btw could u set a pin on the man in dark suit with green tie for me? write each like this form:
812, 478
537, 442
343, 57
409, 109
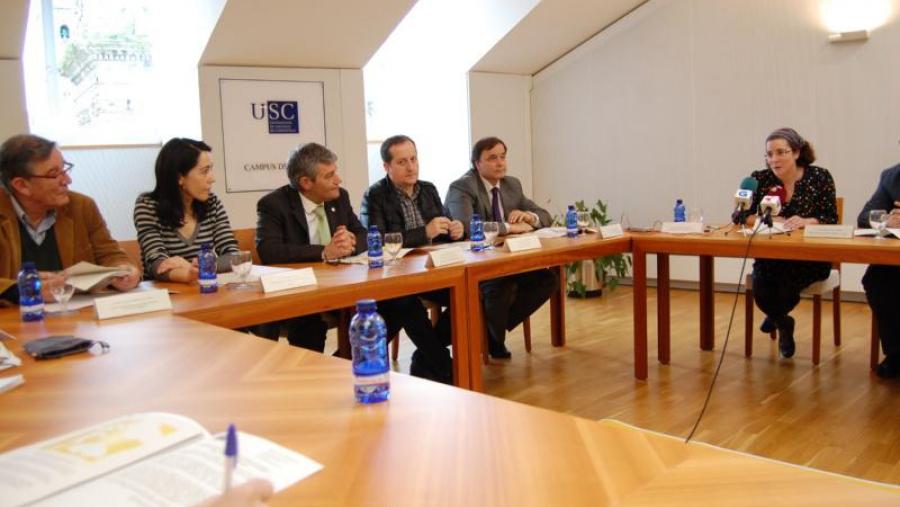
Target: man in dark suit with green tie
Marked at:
486, 189
311, 219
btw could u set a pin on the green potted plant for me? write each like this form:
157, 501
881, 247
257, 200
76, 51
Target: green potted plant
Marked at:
588, 277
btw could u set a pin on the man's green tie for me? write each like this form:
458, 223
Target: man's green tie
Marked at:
322, 224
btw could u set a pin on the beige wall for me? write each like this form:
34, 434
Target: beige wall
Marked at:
500, 105
676, 100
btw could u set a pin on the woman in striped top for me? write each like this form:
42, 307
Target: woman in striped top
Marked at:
181, 214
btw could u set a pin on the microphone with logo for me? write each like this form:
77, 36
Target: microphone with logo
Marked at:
770, 206
743, 198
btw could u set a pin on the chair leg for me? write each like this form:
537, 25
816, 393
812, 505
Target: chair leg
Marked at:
836, 302
748, 322
874, 354
395, 347
817, 328
526, 331
343, 332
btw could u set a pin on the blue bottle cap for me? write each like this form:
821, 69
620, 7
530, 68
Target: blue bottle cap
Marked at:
28, 265
572, 207
373, 228
476, 216
365, 305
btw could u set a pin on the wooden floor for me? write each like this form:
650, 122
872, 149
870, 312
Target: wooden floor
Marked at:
836, 417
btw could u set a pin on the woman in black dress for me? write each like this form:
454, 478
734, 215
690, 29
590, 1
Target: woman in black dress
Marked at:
808, 197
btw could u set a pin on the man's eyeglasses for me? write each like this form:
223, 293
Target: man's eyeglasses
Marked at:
52, 175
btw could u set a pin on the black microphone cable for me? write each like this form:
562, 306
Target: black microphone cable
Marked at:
737, 294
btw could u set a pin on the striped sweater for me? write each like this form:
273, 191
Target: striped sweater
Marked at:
159, 243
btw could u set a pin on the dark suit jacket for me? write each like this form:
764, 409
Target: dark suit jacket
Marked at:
81, 235
467, 195
887, 192
381, 207
282, 234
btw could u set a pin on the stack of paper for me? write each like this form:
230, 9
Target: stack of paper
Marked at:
84, 276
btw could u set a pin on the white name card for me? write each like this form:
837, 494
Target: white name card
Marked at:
444, 257
828, 231
275, 282
521, 243
611, 231
132, 303
683, 227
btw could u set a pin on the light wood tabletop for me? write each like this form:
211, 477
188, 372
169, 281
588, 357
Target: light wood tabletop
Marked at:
429, 445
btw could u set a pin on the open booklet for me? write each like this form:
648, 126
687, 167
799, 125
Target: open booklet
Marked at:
149, 459
84, 276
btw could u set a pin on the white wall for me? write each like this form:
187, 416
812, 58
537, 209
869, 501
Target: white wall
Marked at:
500, 105
12, 99
676, 99
344, 124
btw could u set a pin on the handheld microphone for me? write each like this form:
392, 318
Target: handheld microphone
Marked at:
743, 198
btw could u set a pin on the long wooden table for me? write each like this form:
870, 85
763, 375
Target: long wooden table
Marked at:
555, 253
719, 244
339, 286
429, 445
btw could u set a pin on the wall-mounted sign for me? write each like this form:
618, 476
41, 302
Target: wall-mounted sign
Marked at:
262, 121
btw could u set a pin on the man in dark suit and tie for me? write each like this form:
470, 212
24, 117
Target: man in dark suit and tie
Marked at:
311, 219
487, 190
882, 282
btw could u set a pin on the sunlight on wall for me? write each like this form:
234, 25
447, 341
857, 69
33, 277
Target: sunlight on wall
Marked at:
416, 82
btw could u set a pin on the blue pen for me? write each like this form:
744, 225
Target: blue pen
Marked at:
231, 456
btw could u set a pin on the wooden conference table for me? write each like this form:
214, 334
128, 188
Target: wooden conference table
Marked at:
734, 244
429, 445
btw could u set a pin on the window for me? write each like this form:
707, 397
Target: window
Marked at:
107, 72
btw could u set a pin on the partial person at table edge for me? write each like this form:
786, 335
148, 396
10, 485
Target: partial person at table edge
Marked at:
808, 195
45, 222
487, 189
182, 213
882, 282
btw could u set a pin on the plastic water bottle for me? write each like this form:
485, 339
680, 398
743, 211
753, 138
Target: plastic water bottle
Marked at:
572, 222
207, 265
476, 233
679, 211
31, 303
373, 240
368, 341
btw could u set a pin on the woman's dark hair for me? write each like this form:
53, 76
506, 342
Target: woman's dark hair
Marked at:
797, 143
176, 158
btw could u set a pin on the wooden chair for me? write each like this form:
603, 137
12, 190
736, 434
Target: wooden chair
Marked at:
815, 290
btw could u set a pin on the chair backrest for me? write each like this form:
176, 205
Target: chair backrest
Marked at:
133, 249
840, 209
246, 239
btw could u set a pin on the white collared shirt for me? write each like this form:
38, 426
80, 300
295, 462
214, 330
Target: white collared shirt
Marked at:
37, 233
487, 186
312, 222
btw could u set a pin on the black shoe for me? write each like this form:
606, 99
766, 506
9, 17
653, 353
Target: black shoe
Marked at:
498, 351
418, 368
786, 337
768, 325
889, 368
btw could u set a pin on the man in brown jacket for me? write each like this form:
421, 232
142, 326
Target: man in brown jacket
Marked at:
42, 221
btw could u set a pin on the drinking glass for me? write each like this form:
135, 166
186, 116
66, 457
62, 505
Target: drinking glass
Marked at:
695, 215
877, 219
584, 220
241, 265
491, 231
62, 292
393, 242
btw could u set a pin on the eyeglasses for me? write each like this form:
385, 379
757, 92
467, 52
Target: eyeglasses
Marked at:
781, 152
67, 168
